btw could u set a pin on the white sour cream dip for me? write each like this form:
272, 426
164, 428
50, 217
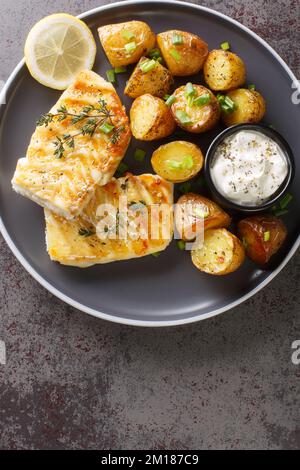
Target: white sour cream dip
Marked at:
248, 167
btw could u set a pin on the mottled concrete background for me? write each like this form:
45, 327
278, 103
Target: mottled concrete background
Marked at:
72, 381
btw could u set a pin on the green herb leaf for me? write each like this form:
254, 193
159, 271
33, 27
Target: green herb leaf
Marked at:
130, 47
252, 87
181, 245
106, 128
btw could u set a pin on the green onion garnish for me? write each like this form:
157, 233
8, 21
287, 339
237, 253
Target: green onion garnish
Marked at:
154, 54
285, 201
175, 54
177, 39
130, 47
122, 168
166, 97
225, 46
189, 90
202, 100
279, 212
111, 76
148, 65
226, 103
170, 100
181, 245
106, 128
185, 164
252, 87
267, 236
139, 155
120, 70
128, 35
183, 117
185, 187
160, 60
156, 255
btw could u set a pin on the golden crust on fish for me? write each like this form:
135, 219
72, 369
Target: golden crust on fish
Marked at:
65, 185
128, 218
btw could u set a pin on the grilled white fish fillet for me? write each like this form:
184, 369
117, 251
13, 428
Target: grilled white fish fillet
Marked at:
96, 239
65, 185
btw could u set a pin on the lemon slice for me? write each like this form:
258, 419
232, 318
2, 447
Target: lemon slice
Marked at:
57, 48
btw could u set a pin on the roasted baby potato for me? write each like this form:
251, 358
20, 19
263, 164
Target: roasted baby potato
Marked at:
158, 81
250, 107
221, 253
224, 70
177, 161
192, 209
196, 112
151, 118
184, 53
263, 236
126, 43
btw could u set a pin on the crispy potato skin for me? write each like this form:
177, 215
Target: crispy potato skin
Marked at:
252, 230
204, 118
176, 150
251, 107
224, 70
113, 42
213, 216
193, 52
157, 82
222, 253
151, 118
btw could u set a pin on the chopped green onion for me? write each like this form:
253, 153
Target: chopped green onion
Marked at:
174, 164
200, 213
130, 47
181, 245
220, 97
170, 100
279, 212
154, 54
177, 39
106, 128
148, 65
175, 54
267, 236
111, 76
156, 255
185, 164
159, 60
285, 201
226, 103
139, 155
183, 117
166, 97
202, 100
185, 187
252, 87
189, 90
122, 168
225, 46
188, 162
128, 35
120, 69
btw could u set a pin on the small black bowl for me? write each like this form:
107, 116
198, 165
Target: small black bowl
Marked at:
272, 134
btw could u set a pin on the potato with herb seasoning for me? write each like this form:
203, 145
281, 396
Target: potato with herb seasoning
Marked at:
126, 43
222, 253
224, 70
195, 108
177, 161
250, 107
149, 76
151, 118
193, 208
262, 236
183, 52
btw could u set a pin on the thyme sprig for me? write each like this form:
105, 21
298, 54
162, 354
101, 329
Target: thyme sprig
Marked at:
100, 116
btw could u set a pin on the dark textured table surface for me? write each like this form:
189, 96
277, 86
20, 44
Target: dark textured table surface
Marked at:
72, 381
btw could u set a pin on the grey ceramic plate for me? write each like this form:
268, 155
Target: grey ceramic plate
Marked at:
149, 291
